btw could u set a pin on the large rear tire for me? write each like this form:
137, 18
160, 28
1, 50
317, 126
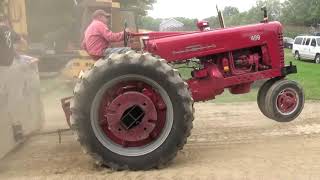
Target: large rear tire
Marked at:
132, 112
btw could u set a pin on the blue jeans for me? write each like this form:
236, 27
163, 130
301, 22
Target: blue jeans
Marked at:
119, 50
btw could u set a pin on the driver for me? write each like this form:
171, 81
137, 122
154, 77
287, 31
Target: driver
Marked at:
97, 37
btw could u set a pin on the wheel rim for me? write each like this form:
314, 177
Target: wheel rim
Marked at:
287, 101
318, 60
297, 56
132, 115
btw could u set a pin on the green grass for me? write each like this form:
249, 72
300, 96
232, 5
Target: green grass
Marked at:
308, 76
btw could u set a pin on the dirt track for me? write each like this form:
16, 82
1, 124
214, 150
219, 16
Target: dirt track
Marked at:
229, 141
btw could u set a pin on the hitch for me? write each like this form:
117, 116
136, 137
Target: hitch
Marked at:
65, 103
221, 18
291, 69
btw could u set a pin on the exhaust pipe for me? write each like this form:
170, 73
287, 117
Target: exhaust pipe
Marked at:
221, 19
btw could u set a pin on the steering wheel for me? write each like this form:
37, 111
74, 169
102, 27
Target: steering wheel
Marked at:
126, 35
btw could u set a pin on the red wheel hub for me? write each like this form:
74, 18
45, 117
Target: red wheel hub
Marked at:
287, 101
132, 114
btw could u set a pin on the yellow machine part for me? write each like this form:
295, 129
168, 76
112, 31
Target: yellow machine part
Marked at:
77, 65
16, 11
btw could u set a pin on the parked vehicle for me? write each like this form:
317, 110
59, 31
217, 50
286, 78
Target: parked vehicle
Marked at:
288, 42
307, 47
317, 33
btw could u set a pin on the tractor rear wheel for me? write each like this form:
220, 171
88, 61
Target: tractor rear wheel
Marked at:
284, 101
132, 112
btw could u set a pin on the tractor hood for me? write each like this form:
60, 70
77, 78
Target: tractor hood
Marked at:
185, 45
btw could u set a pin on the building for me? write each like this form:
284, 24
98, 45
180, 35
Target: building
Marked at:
171, 25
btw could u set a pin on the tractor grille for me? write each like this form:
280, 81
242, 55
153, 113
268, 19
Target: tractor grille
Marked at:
281, 49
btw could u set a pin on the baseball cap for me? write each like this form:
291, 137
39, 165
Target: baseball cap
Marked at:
100, 12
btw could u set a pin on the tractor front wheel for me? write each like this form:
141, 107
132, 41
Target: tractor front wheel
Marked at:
261, 98
132, 111
284, 101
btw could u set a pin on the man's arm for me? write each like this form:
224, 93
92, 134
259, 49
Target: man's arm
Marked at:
109, 35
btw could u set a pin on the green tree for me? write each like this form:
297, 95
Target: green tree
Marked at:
273, 6
253, 15
301, 12
150, 23
139, 6
296, 15
189, 24
230, 11
213, 21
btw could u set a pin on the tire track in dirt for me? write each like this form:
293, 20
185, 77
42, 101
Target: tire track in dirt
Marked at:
229, 141
242, 122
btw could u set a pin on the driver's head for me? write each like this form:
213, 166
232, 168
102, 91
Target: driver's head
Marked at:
101, 15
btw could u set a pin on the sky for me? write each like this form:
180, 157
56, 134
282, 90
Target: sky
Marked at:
198, 9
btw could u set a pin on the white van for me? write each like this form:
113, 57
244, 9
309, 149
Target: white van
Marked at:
307, 47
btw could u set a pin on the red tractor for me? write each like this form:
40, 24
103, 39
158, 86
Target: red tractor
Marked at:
134, 111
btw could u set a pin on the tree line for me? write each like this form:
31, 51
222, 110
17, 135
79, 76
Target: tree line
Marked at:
297, 15
294, 14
